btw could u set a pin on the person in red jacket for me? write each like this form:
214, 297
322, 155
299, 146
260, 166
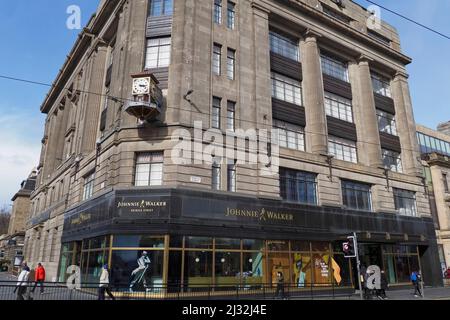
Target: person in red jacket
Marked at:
39, 278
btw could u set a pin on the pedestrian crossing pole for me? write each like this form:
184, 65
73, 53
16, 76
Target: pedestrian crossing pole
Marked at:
358, 265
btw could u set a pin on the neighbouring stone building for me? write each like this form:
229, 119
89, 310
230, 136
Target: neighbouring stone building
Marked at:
435, 150
112, 189
13, 242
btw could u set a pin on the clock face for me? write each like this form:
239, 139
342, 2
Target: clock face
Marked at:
141, 86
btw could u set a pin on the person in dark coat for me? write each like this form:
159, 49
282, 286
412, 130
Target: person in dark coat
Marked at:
384, 285
280, 285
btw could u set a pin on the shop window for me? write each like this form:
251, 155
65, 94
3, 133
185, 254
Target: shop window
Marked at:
227, 268
321, 269
176, 241
225, 243
340, 271
198, 270
140, 270
138, 241
253, 270
302, 271
300, 246
174, 271
389, 265
199, 242
94, 266
253, 245
402, 267
278, 262
277, 245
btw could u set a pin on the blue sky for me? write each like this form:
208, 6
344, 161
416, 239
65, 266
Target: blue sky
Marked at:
37, 41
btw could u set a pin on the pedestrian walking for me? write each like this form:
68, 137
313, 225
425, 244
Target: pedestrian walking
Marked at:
383, 285
416, 279
39, 278
104, 285
22, 282
280, 285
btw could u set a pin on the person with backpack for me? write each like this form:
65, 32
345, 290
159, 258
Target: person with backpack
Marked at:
39, 278
104, 285
415, 279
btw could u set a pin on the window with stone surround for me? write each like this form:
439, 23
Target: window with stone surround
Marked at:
231, 15
445, 181
342, 149
231, 176
290, 135
231, 63
216, 110
298, 186
338, 107
217, 59
149, 169
381, 85
405, 202
334, 68
88, 187
218, 11
284, 46
392, 160
386, 122
286, 89
216, 175
158, 53
231, 115
161, 8
356, 195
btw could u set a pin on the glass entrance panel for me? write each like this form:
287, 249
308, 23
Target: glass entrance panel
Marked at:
228, 268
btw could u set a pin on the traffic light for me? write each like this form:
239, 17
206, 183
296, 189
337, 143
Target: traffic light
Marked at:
348, 248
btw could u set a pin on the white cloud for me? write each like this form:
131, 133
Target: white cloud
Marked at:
19, 150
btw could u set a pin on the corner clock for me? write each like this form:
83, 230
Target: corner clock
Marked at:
147, 97
141, 86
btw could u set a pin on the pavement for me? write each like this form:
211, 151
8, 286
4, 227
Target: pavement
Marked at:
62, 293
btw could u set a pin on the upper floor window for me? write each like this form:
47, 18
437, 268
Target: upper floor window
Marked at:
430, 144
290, 135
405, 202
338, 107
218, 11
231, 177
231, 63
161, 8
231, 115
216, 174
342, 149
231, 15
284, 46
386, 123
158, 53
334, 68
217, 57
335, 14
356, 195
298, 186
149, 169
381, 85
286, 89
392, 160
379, 37
88, 188
216, 107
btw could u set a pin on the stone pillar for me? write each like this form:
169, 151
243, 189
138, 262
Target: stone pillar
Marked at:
313, 96
406, 125
268, 178
64, 111
51, 149
93, 103
369, 148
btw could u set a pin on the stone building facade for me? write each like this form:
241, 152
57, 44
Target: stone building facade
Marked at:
110, 186
435, 149
13, 243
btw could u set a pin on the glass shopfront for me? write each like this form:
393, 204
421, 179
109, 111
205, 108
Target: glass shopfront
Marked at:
193, 264
137, 263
